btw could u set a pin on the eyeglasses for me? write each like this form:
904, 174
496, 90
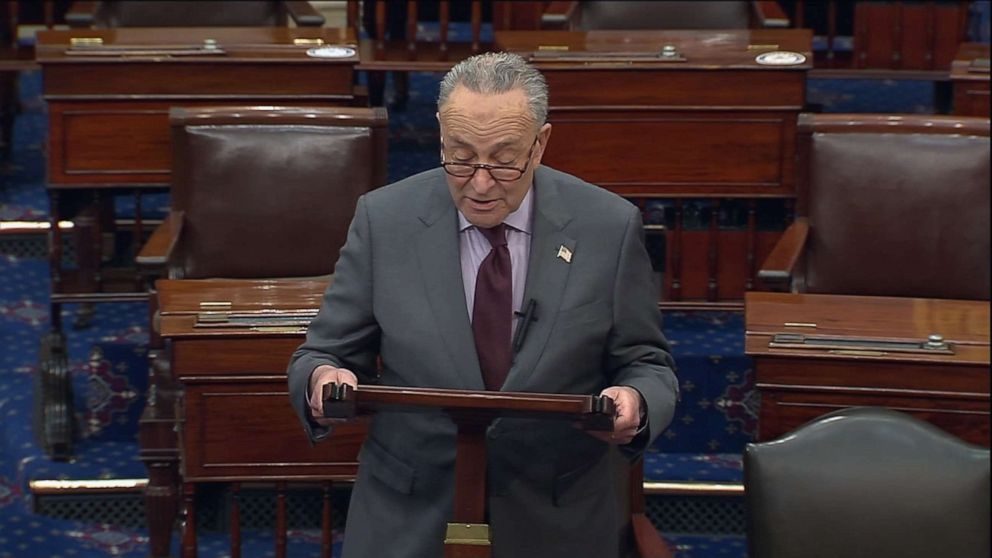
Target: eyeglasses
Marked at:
500, 173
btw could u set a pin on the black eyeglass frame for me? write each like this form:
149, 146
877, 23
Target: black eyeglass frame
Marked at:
476, 166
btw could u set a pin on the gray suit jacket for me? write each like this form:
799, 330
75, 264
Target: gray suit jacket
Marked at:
398, 293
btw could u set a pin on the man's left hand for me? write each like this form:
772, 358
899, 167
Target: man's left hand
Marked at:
627, 419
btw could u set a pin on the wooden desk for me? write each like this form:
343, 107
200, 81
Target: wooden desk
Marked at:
715, 125
109, 113
798, 384
970, 80
232, 409
108, 105
108, 136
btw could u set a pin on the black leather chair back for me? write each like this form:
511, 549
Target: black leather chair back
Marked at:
867, 483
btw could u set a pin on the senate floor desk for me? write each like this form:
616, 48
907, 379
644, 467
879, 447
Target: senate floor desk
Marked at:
816, 353
681, 116
970, 80
108, 93
219, 409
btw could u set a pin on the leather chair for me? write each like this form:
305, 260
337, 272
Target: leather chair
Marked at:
867, 482
191, 13
888, 206
626, 15
263, 192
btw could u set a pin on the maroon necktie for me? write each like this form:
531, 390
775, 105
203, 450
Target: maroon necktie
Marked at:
493, 308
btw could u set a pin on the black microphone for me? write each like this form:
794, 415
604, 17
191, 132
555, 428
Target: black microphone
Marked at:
525, 318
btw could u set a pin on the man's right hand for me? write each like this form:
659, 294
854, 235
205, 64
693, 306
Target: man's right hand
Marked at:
321, 376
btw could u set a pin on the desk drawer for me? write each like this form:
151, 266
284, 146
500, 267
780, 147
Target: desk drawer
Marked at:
783, 411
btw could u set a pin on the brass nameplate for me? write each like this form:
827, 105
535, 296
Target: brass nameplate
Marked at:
762, 47
475, 534
308, 42
85, 41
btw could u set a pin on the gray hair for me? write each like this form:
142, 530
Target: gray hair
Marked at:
492, 73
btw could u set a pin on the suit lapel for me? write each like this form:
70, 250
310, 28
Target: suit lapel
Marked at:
547, 275
441, 274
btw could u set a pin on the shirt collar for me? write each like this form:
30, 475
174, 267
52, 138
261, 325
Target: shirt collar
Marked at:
522, 219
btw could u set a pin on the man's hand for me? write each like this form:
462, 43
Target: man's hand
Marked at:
322, 375
628, 415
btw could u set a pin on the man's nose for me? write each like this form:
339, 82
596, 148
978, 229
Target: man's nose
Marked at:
482, 181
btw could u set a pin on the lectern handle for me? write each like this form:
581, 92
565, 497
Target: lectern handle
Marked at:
339, 401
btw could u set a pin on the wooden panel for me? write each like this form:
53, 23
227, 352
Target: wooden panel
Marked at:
664, 86
114, 141
121, 142
971, 99
874, 38
658, 153
693, 277
191, 78
938, 379
916, 44
733, 268
782, 412
948, 32
907, 35
223, 420
733, 265
231, 355
970, 80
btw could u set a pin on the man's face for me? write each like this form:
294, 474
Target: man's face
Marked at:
495, 130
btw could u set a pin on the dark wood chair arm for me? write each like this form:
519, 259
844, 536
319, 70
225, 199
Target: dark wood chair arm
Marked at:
303, 14
769, 14
560, 16
780, 263
82, 14
158, 250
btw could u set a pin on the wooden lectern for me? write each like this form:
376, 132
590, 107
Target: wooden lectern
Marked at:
472, 411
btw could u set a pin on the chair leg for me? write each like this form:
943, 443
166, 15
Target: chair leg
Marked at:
53, 415
8, 108
377, 88
401, 90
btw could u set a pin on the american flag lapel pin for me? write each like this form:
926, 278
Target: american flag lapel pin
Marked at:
565, 254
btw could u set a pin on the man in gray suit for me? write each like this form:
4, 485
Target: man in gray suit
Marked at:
433, 279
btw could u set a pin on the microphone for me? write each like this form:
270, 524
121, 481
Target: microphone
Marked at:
525, 318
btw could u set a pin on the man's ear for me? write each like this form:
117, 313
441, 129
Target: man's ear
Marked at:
543, 135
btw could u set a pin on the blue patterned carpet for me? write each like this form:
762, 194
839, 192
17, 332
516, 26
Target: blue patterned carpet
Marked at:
716, 418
